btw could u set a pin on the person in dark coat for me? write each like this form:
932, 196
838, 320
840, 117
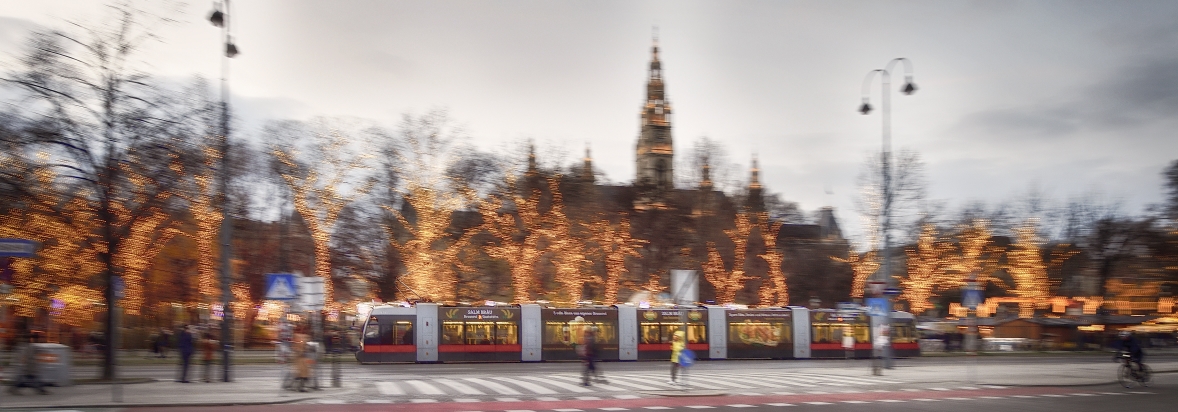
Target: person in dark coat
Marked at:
186, 346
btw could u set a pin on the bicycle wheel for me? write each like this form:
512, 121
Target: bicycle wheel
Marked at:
1145, 375
1125, 376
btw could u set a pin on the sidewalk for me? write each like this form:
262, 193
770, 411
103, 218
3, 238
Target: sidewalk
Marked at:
168, 393
967, 372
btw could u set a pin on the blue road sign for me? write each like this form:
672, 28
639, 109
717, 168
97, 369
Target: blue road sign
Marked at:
18, 248
971, 298
119, 286
281, 286
877, 306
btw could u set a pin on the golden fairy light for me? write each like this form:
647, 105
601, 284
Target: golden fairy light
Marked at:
926, 270
976, 258
430, 254
518, 242
863, 265
775, 291
729, 282
1026, 268
318, 197
616, 244
206, 212
569, 248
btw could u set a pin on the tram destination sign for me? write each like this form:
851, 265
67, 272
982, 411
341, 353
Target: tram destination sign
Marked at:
480, 313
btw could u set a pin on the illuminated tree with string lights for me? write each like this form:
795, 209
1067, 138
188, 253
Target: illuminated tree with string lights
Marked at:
428, 251
616, 244
206, 212
62, 224
926, 270
569, 249
1026, 268
863, 265
976, 257
321, 191
519, 228
729, 282
775, 289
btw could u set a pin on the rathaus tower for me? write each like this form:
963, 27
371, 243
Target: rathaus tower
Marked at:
654, 141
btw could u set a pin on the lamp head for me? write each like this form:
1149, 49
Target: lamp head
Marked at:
217, 18
909, 86
865, 108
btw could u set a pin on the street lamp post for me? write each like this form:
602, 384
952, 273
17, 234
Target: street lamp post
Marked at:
220, 18
885, 272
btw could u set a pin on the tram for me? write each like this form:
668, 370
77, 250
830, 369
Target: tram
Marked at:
428, 332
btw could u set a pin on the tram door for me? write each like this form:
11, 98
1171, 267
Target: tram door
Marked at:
427, 339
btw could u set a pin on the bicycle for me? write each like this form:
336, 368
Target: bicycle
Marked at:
1127, 375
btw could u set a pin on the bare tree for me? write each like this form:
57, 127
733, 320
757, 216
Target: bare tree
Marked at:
107, 128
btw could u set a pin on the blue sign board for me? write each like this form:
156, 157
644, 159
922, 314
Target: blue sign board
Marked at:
281, 286
971, 298
877, 306
119, 286
23, 248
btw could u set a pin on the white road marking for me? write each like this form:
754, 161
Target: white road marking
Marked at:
389, 388
494, 386
425, 388
460, 387
529, 386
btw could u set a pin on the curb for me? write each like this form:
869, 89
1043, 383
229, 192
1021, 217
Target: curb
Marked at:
160, 405
1037, 385
683, 393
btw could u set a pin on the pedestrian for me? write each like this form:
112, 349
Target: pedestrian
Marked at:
677, 345
588, 352
186, 346
162, 342
208, 347
302, 362
27, 375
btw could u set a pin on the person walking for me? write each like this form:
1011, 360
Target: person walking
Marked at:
588, 352
186, 346
162, 341
27, 376
677, 345
208, 347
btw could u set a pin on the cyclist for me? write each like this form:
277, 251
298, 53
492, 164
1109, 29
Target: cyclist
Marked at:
1129, 344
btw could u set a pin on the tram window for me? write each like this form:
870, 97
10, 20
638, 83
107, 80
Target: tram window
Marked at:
479, 333
372, 334
834, 332
506, 333
650, 333
556, 333
760, 333
404, 333
452, 333
697, 333
904, 333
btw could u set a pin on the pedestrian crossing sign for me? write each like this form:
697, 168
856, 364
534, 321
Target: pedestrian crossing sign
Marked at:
281, 286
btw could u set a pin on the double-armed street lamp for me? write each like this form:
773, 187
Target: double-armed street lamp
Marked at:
220, 18
885, 272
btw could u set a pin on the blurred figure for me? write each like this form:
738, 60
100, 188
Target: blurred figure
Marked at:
677, 346
1129, 344
162, 341
27, 372
208, 347
186, 347
588, 354
302, 362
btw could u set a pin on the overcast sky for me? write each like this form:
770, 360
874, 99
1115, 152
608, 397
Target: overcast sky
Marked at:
1066, 96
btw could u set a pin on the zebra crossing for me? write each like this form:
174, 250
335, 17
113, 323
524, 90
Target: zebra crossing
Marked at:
568, 384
